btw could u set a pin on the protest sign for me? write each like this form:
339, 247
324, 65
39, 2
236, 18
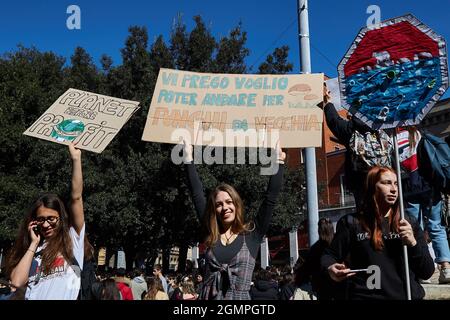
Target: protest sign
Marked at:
240, 110
89, 120
393, 74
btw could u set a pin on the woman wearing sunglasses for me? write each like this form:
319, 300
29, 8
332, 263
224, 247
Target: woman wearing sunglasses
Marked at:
49, 249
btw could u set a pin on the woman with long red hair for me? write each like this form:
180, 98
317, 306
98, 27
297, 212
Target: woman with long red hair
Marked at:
373, 240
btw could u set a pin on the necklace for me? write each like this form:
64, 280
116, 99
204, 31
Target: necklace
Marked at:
228, 239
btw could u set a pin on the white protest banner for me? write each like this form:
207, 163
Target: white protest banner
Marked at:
112, 261
121, 263
236, 109
89, 120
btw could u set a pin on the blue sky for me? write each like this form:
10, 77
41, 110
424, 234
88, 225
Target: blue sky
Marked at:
104, 24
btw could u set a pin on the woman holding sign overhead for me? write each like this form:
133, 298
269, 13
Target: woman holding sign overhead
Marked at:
49, 250
232, 244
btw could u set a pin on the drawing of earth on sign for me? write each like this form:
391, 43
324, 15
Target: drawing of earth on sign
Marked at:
393, 75
68, 130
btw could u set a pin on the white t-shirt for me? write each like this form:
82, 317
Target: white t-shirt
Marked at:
63, 282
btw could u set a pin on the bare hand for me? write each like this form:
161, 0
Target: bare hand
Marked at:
35, 238
326, 97
75, 153
406, 233
281, 156
188, 151
339, 272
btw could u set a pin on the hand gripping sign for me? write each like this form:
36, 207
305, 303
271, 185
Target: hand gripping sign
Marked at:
393, 74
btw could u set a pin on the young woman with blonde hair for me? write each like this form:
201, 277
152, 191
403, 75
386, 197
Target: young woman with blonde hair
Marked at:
232, 244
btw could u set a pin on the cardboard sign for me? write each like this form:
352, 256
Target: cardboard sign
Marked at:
89, 120
236, 110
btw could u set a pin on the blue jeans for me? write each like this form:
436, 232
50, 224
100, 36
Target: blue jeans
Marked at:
436, 231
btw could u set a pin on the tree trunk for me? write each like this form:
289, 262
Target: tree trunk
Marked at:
166, 260
182, 256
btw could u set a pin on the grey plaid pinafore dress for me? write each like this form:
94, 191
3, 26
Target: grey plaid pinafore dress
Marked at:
239, 272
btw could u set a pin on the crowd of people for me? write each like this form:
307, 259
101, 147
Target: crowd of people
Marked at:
52, 258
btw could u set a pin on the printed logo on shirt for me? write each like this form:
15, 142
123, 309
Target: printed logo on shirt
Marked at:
362, 236
389, 236
58, 269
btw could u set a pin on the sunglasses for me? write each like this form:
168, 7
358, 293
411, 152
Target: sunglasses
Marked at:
52, 220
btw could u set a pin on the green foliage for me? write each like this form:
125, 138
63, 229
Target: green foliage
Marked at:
276, 62
134, 196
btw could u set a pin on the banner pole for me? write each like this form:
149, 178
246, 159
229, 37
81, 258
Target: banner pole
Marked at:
402, 211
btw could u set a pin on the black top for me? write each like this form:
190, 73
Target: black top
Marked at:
224, 254
264, 290
352, 241
311, 270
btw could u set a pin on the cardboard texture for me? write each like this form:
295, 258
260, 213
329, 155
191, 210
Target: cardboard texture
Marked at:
241, 110
89, 120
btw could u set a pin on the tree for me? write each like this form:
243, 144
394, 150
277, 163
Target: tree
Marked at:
200, 47
29, 81
82, 74
276, 62
135, 197
231, 52
179, 44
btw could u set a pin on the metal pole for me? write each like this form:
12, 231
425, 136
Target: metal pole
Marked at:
293, 246
402, 212
195, 255
264, 253
310, 153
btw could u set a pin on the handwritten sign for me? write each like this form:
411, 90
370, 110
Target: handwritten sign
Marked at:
236, 110
89, 120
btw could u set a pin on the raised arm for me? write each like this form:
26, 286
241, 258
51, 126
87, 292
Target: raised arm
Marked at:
194, 183
341, 128
76, 201
264, 216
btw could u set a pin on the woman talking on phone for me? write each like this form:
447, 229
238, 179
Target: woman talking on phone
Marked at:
374, 240
48, 253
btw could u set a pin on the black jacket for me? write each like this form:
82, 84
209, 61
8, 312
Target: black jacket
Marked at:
351, 242
264, 290
311, 271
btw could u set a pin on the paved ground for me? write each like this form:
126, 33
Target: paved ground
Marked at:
436, 291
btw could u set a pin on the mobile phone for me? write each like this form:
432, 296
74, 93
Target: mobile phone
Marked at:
37, 230
358, 270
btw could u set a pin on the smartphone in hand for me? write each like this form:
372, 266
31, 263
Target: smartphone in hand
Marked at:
358, 270
37, 230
